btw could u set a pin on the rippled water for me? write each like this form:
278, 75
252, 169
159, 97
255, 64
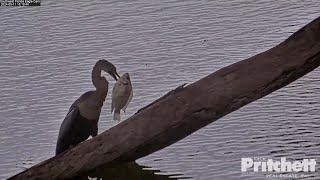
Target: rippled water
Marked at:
47, 54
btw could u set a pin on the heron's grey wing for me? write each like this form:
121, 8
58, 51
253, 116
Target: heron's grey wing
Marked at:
79, 100
65, 136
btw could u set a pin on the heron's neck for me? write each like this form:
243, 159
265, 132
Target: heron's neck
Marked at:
102, 91
96, 75
96, 100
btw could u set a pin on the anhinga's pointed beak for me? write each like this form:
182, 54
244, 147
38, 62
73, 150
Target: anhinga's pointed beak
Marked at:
117, 74
114, 75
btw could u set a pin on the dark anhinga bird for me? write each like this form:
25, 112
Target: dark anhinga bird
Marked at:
83, 116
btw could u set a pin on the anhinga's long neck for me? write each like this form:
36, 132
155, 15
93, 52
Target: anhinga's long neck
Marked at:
101, 86
96, 75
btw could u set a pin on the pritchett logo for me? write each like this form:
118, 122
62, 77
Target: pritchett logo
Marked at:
269, 165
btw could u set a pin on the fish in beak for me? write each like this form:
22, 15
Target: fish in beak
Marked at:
121, 95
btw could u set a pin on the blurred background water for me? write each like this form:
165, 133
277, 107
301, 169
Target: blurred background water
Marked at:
47, 53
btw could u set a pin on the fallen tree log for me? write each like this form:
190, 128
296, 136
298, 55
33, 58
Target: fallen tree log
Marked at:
187, 109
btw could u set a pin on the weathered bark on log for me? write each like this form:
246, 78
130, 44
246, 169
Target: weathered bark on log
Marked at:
187, 109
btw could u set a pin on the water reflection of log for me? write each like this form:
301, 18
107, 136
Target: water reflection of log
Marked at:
125, 171
187, 109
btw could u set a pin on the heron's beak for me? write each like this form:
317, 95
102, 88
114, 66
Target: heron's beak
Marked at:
117, 74
114, 75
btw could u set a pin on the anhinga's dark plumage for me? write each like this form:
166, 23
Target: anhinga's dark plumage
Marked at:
83, 116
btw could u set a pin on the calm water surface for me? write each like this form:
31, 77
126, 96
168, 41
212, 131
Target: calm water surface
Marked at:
47, 52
